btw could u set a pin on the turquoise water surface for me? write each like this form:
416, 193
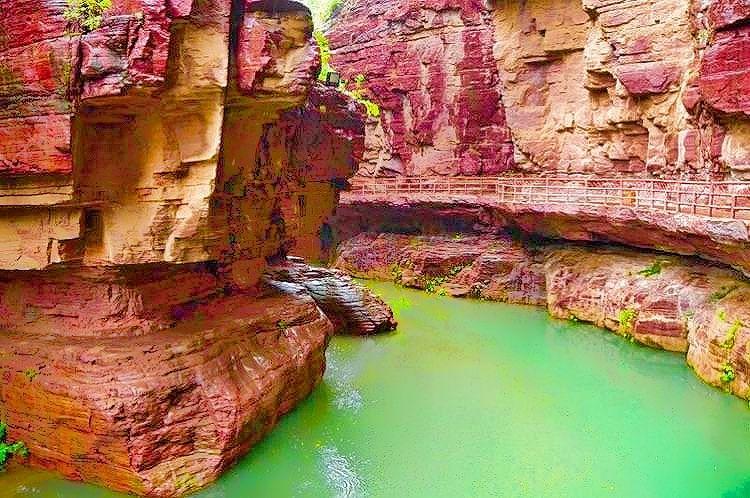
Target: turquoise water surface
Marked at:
475, 399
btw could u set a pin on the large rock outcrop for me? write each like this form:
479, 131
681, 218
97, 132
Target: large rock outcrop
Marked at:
153, 157
659, 300
162, 414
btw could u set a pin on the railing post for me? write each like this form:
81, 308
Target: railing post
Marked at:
586, 191
734, 206
651, 193
711, 201
695, 201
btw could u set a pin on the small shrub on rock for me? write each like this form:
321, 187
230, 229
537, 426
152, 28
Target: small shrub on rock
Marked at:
627, 318
652, 270
8, 450
87, 13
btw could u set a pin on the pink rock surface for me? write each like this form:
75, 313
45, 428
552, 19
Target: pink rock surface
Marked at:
440, 94
489, 267
162, 414
724, 13
725, 71
719, 240
592, 87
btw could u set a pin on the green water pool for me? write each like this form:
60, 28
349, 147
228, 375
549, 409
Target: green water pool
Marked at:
475, 399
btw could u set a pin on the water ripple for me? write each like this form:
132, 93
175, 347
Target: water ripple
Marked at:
340, 474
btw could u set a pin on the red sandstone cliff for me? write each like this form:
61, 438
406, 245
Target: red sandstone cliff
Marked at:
583, 90
558, 88
149, 169
431, 68
566, 86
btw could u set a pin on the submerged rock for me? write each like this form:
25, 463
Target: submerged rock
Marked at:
353, 308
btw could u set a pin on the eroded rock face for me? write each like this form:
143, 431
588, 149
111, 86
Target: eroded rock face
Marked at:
721, 240
487, 267
430, 66
163, 141
163, 414
593, 87
563, 86
586, 88
149, 169
659, 300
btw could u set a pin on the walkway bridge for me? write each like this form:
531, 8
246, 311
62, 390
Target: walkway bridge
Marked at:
722, 200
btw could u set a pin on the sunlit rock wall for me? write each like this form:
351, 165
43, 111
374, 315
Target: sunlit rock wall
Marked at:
150, 170
608, 88
140, 142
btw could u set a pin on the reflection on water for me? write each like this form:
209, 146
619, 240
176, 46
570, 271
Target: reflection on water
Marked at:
343, 370
340, 474
474, 399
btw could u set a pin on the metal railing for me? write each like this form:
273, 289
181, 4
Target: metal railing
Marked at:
701, 198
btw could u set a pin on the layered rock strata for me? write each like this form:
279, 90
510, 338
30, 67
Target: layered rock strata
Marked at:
721, 240
354, 309
153, 157
165, 413
659, 300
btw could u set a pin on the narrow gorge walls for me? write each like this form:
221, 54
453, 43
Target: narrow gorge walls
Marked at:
560, 120
570, 90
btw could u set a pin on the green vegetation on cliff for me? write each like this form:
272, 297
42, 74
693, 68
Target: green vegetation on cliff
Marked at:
8, 450
323, 10
627, 318
652, 270
357, 93
87, 13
